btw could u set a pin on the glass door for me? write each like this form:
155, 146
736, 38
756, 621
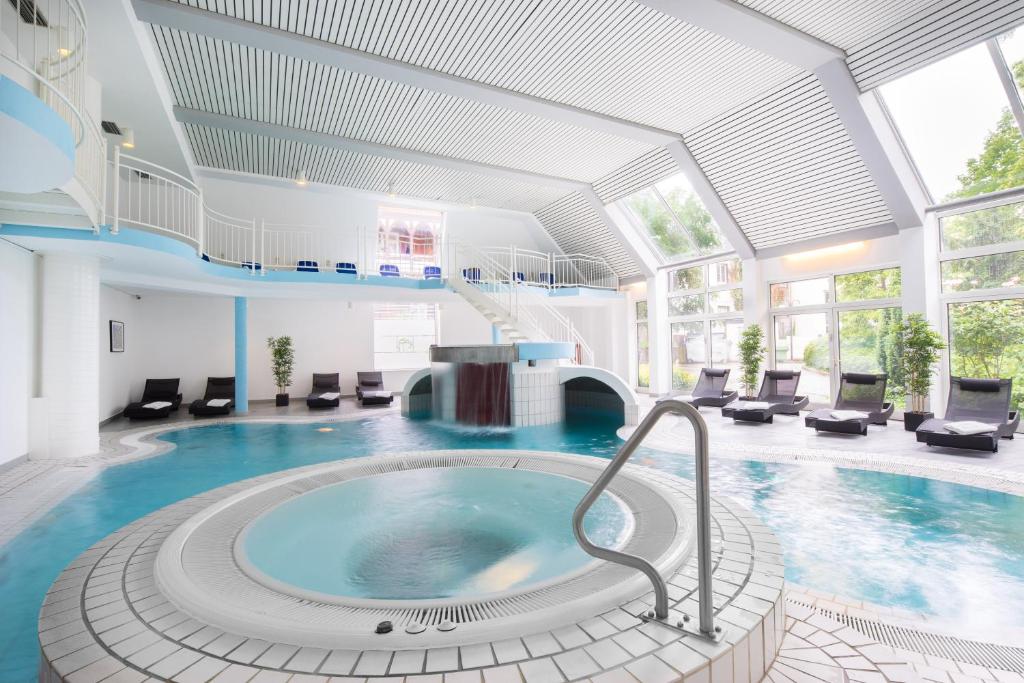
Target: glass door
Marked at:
802, 342
688, 353
868, 342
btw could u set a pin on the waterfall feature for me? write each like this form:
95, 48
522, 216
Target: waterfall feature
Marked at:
472, 384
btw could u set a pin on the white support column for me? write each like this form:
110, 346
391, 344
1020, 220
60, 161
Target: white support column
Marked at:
659, 343
919, 271
71, 330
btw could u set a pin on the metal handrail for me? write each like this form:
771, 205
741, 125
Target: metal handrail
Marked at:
700, 429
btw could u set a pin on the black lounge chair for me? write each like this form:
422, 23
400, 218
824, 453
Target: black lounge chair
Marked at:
156, 391
324, 383
778, 390
370, 390
978, 400
864, 393
710, 389
217, 388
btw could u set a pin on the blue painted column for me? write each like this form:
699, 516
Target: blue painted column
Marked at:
495, 334
241, 355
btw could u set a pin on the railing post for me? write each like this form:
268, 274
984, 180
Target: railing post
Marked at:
549, 281
115, 226
201, 225
707, 626
263, 248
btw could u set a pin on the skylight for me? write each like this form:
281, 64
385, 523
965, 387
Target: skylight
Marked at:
955, 118
673, 219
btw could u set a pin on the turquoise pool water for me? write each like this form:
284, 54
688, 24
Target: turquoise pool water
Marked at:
425, 534
951, 551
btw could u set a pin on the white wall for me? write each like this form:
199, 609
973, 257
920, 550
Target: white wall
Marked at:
18, 347
192, 337
117, 370
345, 210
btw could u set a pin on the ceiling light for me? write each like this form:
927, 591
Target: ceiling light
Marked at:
826, 252
391, 189
128, 139
300, 179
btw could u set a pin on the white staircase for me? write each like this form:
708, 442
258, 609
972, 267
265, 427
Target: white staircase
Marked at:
520, 314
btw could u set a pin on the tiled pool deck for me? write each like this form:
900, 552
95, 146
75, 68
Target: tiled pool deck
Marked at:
815, 648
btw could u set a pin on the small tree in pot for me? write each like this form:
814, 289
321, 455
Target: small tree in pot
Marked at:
921, 351
751, 350
282, 361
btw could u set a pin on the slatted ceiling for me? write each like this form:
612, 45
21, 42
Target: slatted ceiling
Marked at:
946, 27
786, 168
248, 153
847, 24
577, 228
240, 81
611, 56
636, 175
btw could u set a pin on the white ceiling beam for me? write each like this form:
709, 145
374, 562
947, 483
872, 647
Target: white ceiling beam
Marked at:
744, 26
203, 22
709, 197
298, 135
881, 160
781, 41
643, 256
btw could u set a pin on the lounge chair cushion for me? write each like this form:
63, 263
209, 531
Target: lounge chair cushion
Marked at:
218, 402
849, 415
377, 394
969, 427
330, 395
752, 405
157, 405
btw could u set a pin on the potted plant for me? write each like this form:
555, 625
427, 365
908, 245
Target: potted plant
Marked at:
921, 351
751, 350
282, 360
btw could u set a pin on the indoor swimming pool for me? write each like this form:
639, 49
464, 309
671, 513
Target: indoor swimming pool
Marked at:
949, 551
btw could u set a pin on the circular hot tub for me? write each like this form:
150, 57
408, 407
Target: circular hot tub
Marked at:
480, 541
428, 534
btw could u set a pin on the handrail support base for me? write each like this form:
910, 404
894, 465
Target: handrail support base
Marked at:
687, 626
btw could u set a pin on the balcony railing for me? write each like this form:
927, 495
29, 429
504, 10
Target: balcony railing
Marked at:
45, 40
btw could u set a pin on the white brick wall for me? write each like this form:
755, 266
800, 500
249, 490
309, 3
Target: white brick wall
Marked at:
537, 397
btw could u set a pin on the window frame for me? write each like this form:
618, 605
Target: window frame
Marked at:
831, 309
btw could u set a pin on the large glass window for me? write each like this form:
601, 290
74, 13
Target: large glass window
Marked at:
402, 335
982, 267
847, 322
408, 238
643, 347
986, 339
672, 218
955, 118
688, 353
702, 306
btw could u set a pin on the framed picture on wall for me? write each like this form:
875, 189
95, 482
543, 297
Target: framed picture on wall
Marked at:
116, 336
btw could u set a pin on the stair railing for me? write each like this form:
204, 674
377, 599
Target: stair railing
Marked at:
706, 621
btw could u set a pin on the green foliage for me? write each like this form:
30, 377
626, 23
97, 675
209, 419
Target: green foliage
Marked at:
751, 351
987, 341
681, 379
889, 351
816, 354
670, 239
1000, 165
643, 375
691, 213
872, 284
687, 278
921, 347
282, 361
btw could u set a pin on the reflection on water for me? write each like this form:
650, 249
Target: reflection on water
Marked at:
947, 550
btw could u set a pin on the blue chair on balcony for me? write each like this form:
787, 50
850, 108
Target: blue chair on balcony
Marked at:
249, 265
431, 272
346, 268
206, 257
307, 267
547, 279
388, 270
471, 274
518, 276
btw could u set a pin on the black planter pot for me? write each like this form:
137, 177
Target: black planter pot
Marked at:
912, 420
281, 400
